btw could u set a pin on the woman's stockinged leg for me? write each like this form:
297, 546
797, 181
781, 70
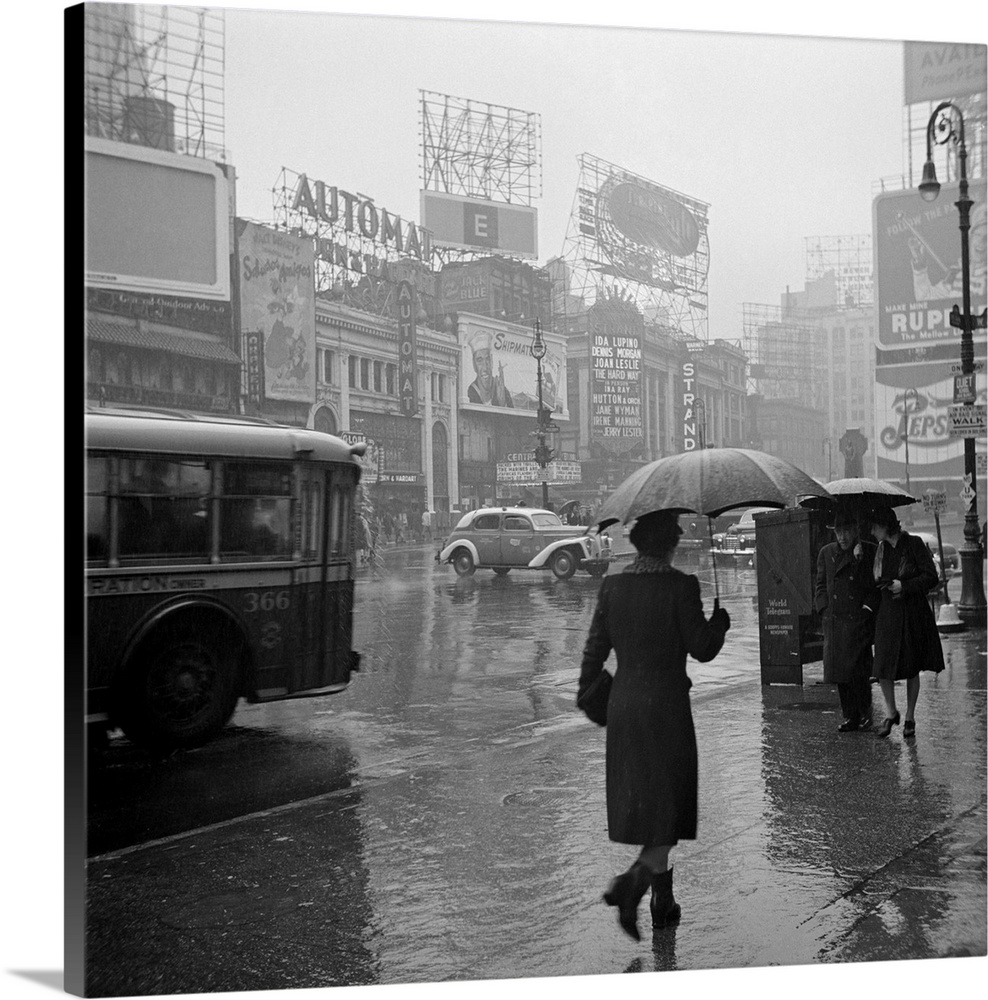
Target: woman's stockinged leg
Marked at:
888, 694
912, 694
655, 858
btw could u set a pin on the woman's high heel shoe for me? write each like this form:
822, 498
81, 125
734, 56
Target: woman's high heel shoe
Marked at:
886, 727
909, 729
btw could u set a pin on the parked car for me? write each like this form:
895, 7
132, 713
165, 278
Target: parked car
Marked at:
741, 534
950, 554
506, 538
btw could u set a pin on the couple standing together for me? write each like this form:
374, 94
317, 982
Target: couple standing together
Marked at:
651, 617
876, 595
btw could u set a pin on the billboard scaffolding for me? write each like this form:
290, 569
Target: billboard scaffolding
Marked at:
849, 259
480, 150
481, 173
154, 76
632, 238
786, 351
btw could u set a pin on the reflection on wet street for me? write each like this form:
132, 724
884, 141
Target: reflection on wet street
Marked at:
444, 818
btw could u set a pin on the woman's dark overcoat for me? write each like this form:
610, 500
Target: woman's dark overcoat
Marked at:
906, 636
651, 621
848, 597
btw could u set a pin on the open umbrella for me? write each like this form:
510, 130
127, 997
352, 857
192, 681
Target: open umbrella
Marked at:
708, 481
860, 491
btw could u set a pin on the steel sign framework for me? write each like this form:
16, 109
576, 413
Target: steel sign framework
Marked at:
632, 237
480, 150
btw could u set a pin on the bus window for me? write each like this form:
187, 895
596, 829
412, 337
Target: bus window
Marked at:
97, 528
341, 498
163, 509
310, 497
256, 512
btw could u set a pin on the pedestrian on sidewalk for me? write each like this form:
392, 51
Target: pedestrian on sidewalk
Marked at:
906, 636
848, 596
651, 616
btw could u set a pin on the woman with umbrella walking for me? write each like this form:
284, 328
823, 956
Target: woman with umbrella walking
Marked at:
652, 617
906, 636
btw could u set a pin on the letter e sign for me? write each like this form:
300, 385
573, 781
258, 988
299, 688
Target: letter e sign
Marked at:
479, 225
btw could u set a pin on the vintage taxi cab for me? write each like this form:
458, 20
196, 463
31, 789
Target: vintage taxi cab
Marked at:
507, 538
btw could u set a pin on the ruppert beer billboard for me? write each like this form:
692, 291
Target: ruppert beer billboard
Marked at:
918, 282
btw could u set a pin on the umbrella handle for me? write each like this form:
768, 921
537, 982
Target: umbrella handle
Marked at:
710, 532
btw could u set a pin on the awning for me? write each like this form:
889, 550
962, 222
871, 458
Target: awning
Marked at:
107, 332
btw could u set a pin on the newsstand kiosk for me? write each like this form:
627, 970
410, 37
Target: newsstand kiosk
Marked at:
790, 631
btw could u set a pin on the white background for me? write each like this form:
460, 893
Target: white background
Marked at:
33, 482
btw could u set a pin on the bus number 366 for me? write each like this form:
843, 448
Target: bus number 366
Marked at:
268, 601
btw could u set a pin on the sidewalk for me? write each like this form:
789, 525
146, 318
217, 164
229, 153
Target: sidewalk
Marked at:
849, 848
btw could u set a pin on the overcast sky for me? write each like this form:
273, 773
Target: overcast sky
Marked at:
783, 136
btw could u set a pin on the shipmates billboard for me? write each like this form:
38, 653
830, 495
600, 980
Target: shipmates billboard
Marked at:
476, 224
498, 372
918, 282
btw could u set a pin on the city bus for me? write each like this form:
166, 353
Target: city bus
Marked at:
219, 566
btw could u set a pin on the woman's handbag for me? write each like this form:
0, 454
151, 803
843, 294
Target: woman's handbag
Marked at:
593, 701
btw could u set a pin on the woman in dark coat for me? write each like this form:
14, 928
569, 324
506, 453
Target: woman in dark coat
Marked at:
651, 616
906, 636
847, 595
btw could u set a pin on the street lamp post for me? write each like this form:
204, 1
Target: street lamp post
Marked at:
905, 428
947, 125
543, 455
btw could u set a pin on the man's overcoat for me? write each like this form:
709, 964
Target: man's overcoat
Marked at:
651, 621
848, 597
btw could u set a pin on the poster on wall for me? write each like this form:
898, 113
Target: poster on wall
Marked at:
498, 372
918, 264
277, 300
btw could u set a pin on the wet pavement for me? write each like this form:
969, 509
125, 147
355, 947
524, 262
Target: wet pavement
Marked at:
444, 819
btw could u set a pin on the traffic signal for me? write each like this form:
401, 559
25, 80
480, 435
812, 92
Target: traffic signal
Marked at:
543, 454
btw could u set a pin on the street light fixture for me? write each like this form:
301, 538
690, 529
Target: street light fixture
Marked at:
543, 455
701, 422
914, 393
946, 124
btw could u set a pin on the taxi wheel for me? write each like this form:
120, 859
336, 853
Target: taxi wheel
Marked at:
463, 563
563, 564
501, 570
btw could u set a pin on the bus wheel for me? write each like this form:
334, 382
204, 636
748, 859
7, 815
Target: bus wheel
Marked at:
182, 687
463, 563
563, 564
501, 570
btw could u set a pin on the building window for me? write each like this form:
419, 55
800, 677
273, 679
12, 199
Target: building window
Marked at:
378, 369
352, 371
389, 379
326, 364
365, 381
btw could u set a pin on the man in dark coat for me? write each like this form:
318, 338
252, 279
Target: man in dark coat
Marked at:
651, 616
847, 596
